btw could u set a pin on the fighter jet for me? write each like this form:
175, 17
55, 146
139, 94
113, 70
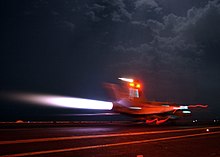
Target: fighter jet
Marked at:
130, 100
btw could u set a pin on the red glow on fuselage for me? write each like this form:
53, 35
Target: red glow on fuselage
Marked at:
157, 121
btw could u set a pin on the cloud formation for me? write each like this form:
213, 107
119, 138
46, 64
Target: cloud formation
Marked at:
175, 40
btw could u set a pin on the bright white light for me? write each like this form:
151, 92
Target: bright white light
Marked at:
207, 130
186, 111
61, 101
126, 79
80, 103
181, 108
135, 108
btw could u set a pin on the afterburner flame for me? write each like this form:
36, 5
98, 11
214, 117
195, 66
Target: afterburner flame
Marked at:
60, 101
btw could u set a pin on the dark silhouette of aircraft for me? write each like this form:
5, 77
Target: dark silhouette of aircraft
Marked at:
129, 100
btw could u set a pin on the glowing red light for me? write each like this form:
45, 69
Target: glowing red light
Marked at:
136, 85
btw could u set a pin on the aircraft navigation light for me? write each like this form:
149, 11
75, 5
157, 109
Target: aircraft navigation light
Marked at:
131, 84
138, 86
134, 85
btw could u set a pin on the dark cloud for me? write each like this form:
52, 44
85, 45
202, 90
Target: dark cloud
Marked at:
181, 50
114, 10
147, 5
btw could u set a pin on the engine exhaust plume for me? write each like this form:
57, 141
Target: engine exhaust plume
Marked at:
59, 101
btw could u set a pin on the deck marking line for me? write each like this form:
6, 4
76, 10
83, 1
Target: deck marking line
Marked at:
99, 136
107, 145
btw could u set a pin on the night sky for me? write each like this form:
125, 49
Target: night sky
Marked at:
71, 47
